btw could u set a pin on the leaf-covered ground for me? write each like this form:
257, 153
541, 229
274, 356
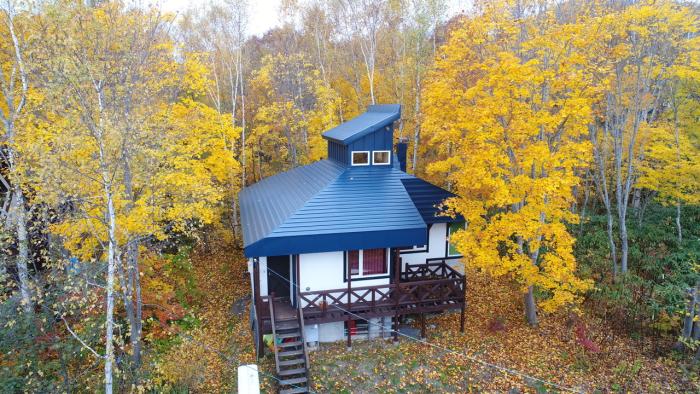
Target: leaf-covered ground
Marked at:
207, 355
496, 333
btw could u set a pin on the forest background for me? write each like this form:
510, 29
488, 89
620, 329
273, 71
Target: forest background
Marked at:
569, 131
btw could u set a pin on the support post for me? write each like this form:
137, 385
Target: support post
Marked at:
464, 301
422, 325
258, 306
397, 292
347, 320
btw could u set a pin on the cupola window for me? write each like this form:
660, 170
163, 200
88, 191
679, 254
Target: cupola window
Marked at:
380, 157
360, 158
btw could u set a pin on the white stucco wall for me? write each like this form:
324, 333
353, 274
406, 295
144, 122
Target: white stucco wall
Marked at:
263, 275
324, 271
436, 246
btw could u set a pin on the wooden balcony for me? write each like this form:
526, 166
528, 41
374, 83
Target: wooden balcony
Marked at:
423, 288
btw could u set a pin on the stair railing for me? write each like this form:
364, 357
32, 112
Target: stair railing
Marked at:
271, 303
300, 316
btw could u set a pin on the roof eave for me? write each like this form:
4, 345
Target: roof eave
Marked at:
333, 242
367, 130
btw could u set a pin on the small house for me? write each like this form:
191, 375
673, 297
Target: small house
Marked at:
346, 246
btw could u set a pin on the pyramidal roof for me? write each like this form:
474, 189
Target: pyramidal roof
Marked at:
327, 207
331, 206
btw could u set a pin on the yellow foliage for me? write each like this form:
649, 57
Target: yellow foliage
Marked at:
508, 115
295, 107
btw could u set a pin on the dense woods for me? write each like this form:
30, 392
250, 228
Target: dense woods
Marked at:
569, 130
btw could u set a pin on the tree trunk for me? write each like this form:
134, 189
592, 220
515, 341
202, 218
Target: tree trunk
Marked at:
601, 184
416, 133
243, 126
234, 217
112, 254
689, 320
530, 306
20, 216
624, 243
134, 280
637, 200
678, 222
132, 284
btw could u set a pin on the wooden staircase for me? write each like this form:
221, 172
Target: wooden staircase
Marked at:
291, 356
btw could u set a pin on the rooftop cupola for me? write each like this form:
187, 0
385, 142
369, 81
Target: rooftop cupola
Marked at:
365, 140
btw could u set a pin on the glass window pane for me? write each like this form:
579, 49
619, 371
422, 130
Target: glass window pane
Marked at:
380, 157
360, 158
354, 261
374, 261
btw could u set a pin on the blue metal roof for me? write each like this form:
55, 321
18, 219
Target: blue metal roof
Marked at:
268, 203
354, 208
329, 206
427, 199
326, 207
376, 117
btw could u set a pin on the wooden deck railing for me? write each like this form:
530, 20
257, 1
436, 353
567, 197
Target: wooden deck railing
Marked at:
424, 288
383, 300
434, 270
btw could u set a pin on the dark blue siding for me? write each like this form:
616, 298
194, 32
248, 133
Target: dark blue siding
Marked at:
378, 140
376, 117
338, 152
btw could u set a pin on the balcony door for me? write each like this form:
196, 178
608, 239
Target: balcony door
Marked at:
278, 275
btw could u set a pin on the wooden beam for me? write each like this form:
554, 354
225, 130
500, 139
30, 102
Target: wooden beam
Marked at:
464, 302
397, 294
258, 306
349, 303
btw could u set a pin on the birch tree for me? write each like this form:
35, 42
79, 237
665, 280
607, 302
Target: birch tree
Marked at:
114, 144
14, 89
648, 41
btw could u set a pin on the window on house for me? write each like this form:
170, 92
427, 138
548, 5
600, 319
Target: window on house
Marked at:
380, 157
360, 158
452, 228
368, 262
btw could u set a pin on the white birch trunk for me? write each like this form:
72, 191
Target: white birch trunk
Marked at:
23, 252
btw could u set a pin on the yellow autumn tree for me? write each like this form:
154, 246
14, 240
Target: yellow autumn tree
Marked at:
507, 107
671, 165
294, 106
122, 148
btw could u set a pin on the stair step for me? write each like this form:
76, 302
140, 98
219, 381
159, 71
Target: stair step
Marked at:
289, 344
295, 361
295, 390
294, 381
295, 371
287, 325
293, 334
291, 353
